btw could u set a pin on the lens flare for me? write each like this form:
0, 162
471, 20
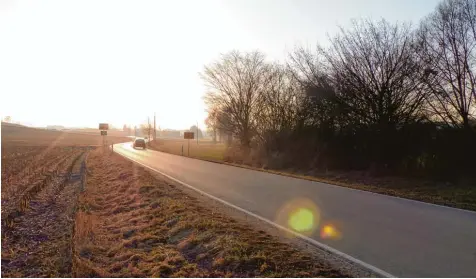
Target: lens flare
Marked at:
300, 215
330, 232
301, 220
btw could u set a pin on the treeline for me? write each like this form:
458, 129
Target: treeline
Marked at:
382, 97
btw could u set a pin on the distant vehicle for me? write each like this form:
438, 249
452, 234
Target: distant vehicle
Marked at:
139, 143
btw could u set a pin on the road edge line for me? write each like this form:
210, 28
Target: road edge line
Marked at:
269, 222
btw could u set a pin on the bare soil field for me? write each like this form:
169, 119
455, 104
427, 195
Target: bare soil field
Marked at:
131, 224
41, 180
39, 190
26, 136
88, 131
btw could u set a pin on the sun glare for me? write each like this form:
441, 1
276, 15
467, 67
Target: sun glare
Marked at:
300, 215
301, 220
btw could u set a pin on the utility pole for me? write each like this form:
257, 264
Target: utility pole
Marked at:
155, 132
148, 128
197, 132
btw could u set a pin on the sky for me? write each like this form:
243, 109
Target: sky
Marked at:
79, 63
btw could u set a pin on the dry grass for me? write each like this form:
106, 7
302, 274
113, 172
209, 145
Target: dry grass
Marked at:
205, 150
459, 195
131, 224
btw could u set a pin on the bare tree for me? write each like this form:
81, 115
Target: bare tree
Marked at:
359, 103
281, 100
447, 47
219, 122
374, 72
236, 82
215, 122
311, 71
211, 124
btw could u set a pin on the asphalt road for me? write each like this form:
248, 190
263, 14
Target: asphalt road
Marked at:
402, 237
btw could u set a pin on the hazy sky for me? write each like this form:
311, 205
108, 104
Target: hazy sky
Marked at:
78, 63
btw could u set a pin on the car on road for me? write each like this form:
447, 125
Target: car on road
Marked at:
139, 143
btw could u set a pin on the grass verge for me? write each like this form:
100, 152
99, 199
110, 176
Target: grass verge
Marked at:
205, 150
131, 224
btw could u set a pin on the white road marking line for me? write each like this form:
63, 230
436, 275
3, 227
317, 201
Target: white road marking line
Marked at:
303, 237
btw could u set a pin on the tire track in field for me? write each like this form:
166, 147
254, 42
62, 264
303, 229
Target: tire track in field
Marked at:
39, 243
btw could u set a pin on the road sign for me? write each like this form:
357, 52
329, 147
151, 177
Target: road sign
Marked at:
103, 126
103, 133
188, 135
